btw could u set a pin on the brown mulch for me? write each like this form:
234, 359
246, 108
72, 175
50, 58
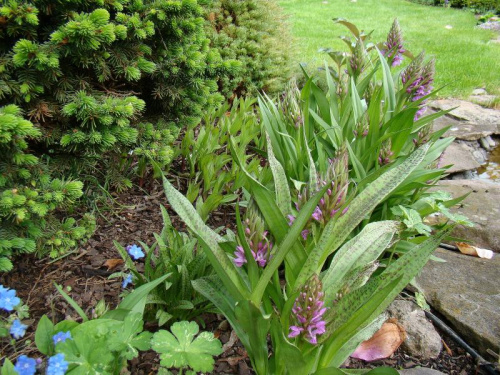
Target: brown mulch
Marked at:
136, 216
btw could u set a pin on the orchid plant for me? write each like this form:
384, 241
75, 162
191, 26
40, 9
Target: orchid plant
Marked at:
305, 279
369, 112
334, 289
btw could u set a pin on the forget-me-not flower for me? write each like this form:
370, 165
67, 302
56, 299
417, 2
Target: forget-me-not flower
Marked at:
61, 337
57, 365
135, 252
8, 299
18, 329
25, 365
127, 281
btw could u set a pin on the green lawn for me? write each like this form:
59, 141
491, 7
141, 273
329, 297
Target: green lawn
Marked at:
465, 57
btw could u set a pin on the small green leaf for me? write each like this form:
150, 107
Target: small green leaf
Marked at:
8, 368
130, 337
43, 336
180, 350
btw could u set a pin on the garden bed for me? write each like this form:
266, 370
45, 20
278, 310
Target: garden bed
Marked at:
136, 216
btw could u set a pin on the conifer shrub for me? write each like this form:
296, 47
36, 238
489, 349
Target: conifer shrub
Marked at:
479, 6
255, 33
108, 78
29, 197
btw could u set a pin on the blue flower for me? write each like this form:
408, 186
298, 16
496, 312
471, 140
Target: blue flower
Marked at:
126, 281
18, 329
8, 299
57, 365
135, 252
61, 337
25, 365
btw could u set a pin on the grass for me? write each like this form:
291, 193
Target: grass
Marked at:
466, 58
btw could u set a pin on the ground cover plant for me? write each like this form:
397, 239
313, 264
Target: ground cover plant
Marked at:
458, 67
103, 345
176, 255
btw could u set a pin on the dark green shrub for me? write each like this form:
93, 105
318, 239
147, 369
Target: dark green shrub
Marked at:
479, 6
255, 33
29, 197
107, 78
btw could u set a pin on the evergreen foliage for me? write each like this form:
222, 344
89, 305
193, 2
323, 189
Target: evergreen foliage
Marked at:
255, 33
103, 78
29, 197
480, 6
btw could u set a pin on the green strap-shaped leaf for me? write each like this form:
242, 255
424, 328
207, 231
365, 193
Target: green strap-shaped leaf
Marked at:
336, 231
388, 84
362, 249
135, 301
72, 302
358, 313
364, 334
272, 214
288, 242
352, 27
252, 321
217, 256
283, 197
213, 289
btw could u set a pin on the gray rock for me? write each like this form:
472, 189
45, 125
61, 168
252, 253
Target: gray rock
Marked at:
484, 143
420, 371
482, 206
466, 292
485, 100
460, 155
480, 156
479, 92
468, 121
491, 141
422, 339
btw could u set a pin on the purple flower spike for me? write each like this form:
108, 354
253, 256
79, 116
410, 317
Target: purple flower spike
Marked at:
239, 255
308, 311
295, 331
317, 214
304, 234
394, 45
291, 219
256, 237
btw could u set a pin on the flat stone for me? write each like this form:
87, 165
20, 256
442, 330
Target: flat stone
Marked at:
482, 99
482, 206
461, 157
468, 121
420, 371
479, 92
465, 290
